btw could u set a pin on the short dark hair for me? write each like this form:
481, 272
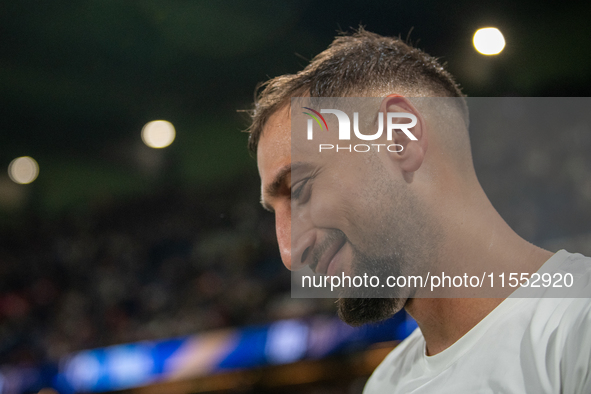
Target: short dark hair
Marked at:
355, 64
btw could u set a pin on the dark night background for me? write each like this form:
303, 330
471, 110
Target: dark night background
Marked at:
80, 78
116, 242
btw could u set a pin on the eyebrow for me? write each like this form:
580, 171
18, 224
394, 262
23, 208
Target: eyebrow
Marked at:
273, 189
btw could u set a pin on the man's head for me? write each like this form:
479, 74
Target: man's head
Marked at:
362, 64
355, 213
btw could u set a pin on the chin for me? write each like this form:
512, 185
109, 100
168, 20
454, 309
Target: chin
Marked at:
359, 311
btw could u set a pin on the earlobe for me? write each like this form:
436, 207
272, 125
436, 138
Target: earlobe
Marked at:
411, 157
412, 153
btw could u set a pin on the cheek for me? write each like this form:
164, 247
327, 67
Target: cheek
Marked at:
357, 209
335, 206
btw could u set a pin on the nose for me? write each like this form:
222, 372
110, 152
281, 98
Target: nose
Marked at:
297, 255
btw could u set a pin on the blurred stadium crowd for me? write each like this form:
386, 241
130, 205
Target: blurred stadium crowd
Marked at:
156, 267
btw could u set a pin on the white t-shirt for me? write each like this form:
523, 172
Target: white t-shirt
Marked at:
525, 345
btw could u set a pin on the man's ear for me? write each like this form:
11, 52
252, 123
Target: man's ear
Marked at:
411, 152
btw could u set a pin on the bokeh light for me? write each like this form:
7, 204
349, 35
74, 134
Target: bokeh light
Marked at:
158, 134
489, 41
23, 170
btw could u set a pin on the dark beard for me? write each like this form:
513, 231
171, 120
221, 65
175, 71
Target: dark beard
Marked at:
359, 311
359, 306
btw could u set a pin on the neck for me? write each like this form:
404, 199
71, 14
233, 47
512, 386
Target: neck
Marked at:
445, 320
474, 235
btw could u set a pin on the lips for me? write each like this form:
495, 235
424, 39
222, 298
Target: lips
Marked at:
327, 259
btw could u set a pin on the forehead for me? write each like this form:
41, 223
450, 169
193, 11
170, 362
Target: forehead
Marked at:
274, 147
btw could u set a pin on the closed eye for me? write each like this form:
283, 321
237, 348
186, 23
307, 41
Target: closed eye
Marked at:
297, 192
302, 190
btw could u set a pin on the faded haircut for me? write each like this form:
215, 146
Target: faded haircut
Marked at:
359, 64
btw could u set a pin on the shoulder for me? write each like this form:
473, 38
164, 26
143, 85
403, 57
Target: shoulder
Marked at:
557, 341
575, 360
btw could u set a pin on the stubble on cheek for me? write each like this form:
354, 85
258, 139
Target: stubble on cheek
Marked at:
397, 240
